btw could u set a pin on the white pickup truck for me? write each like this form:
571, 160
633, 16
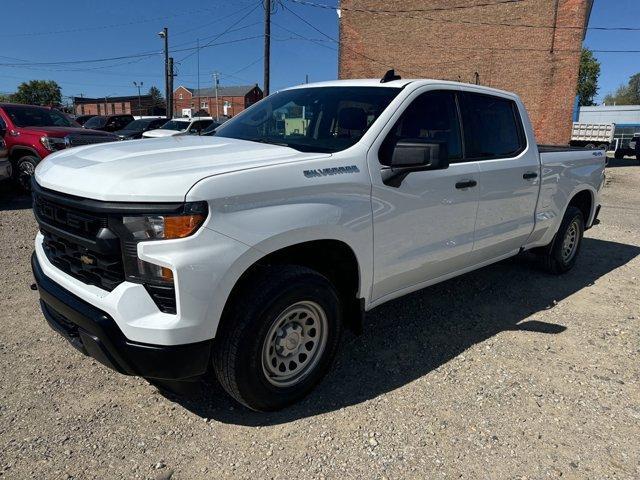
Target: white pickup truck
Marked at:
248, 252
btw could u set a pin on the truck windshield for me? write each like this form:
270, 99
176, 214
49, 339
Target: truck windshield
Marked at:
37, 117
175, 125
95, 122
314, 119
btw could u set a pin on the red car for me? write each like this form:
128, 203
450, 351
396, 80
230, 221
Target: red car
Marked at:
31, 133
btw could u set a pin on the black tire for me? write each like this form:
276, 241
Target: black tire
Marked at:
256, 310
554, 256
23, 171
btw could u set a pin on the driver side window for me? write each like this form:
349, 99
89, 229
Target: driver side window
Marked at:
433, 116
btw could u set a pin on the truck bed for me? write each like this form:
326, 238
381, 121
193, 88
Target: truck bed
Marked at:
559, 148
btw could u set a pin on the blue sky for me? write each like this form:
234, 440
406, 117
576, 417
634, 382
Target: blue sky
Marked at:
88, 30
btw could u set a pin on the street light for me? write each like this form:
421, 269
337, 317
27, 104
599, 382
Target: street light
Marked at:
139, 102
168, 95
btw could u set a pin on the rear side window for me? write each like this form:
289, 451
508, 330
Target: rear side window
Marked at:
492, 127
432, 116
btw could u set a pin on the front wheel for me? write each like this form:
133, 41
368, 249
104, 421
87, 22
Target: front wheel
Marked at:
24, 170
560, 256
279, 337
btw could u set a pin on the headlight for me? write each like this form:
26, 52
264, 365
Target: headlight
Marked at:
53, 144
141, 228
161, 227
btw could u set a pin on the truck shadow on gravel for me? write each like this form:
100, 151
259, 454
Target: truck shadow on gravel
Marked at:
407, 338
12, 198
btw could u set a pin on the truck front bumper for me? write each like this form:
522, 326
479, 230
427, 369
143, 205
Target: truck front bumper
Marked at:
96, 334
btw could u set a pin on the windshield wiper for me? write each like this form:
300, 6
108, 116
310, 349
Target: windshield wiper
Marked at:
296, 146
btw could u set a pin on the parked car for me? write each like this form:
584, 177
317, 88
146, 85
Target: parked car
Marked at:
5, 164
180, 126
250, 251
136, 128
109, 123
31, 133
82, 119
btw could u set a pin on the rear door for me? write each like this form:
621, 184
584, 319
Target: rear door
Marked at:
423, 228
509, 173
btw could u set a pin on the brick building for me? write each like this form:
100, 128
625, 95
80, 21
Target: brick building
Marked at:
530, 47
231, 100
116, 105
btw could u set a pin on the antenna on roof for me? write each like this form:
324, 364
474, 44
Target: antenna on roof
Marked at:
389, 76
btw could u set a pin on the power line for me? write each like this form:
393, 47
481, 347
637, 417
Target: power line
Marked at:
342, 44
125, 57
416, 10
450, 47
401, 14
218, 19
102, 27
224, 32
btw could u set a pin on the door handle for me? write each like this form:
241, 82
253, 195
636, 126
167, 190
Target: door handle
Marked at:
529, 175
466, 184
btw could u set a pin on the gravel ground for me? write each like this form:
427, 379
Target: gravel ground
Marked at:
503, 373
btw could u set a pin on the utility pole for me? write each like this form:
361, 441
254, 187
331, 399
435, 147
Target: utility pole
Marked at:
171, 75
198, 73
167, 94
267, 44
139, 102
306, 78
215, 87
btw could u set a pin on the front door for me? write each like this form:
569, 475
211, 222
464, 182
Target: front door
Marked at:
424, 227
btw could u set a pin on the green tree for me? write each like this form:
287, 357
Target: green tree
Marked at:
628, 94
156, 97
588, 78
38, 92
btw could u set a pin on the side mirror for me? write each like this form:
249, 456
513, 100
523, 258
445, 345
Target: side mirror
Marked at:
414, 155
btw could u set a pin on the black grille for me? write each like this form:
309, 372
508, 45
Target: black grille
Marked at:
78, 139
79, 243
163, 296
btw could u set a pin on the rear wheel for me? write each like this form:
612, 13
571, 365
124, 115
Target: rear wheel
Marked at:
24, 170
279, 337
561, 254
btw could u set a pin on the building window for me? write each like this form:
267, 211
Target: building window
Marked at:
204, 104
99, 105
113, 108
180, 96
82, 108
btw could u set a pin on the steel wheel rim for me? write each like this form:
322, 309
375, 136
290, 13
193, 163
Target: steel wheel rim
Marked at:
294, 344
570, 242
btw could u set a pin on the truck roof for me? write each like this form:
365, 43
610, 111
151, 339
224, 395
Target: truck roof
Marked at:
375, 82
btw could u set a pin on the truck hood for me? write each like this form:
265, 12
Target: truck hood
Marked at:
62, 131
155, 170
